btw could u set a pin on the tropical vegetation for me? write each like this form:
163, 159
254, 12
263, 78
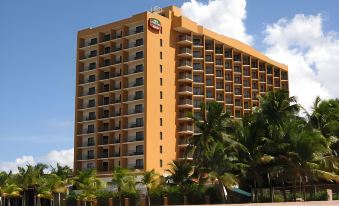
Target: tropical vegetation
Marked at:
278, 145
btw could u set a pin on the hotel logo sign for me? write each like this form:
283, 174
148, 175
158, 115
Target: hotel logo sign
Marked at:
154, 24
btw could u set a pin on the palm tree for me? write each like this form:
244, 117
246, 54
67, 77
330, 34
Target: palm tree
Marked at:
61, 186
123, 181
3, 178
89, 184
10, 191
150, 179
28, 179
251, 135
212, 128
181, 174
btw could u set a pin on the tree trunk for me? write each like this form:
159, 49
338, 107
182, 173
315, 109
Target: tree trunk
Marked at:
304, 187
270, 186
284, 191
59, 199
9, 202
295, 189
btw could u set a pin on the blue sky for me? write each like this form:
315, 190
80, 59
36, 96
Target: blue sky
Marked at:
38, 41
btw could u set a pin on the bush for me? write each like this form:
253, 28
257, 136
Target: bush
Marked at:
320, 196
214, 193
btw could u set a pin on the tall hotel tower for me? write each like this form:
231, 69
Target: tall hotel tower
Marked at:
137, 79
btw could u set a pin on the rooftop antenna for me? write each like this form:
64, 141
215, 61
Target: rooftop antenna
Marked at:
156, 9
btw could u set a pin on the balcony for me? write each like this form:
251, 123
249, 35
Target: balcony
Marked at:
185, 90
134, 152
135, 111
134, 44
135, 30
87, 144
198, 68
134, 58
116, 61
90, 105
135, 97
136, 70
136, 84
89, 118
185, 64
90, 55
185, 52
185, 103
135, 125
135, 166
185, 129
218, 51
184, 116
197, 43
86, 157
197, 55
115, 49
185, 39
135, 138
185, 77
183, 142
88, 131
209, 71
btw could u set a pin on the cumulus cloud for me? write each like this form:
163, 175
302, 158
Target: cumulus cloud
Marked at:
222, 16
63, 157
311, 54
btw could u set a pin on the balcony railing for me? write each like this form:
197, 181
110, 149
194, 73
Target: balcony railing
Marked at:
185, 38
186, 128
135, 97
185, 63
86, 157
134, 152
185, 76
135, 70
134, 44
135, 111
185, 50
185, 101
135, 31
136, 84
135, 138
135, 166
88, 131
185, 89
135, 124
134, 57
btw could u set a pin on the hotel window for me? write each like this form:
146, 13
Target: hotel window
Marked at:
160, 149
160, 163
160, 55
160, 94
160, 68
160, 121
160, 81
161, 42
139, 29
160, 107
160, 135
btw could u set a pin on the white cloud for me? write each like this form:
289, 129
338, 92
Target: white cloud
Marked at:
222, 16
63, 157
311, 54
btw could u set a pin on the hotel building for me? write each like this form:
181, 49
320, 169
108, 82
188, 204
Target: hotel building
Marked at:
138, 78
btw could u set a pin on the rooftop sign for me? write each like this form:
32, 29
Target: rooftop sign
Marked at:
154, 24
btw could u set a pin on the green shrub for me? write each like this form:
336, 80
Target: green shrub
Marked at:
322, 195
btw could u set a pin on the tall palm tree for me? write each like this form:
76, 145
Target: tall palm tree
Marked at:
251, 135
122, 179
181, 174
3, 178
28, 179
88, 182
212, 128
150, 179
61, 186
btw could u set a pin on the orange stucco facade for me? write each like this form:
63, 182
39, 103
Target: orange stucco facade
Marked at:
135, 86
